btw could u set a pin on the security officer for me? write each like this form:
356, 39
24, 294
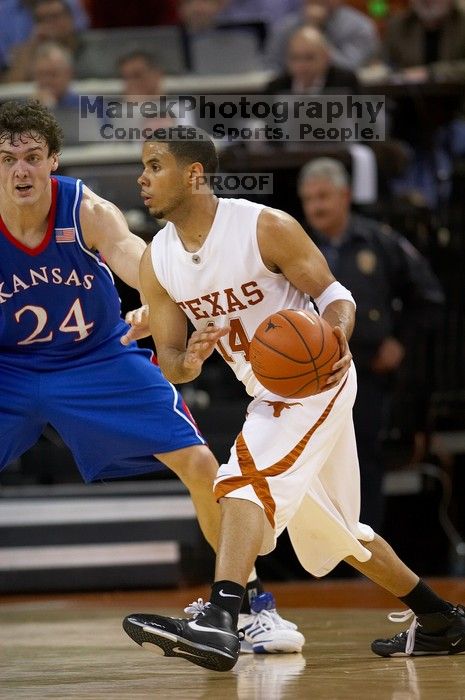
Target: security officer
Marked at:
395, 290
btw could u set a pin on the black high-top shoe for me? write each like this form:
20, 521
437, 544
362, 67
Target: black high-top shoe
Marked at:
431, 634
208, 639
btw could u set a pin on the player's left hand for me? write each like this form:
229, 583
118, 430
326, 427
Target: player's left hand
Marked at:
340, 367
138, 321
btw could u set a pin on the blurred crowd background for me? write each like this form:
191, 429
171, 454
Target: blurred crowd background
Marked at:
388, 215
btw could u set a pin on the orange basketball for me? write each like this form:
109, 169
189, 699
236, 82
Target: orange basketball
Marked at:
292, 353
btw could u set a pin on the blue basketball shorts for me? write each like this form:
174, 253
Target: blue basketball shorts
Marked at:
114, 412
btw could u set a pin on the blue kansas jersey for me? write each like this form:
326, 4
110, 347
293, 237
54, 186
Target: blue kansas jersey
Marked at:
58, 301
62, 363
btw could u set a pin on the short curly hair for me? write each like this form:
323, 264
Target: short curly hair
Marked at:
32, 119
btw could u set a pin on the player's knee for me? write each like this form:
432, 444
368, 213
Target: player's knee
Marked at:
203, 466
199, 468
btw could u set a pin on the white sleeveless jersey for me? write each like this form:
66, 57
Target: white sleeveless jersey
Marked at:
225, 281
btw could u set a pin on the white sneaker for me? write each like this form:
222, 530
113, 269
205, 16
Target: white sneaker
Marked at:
266, 632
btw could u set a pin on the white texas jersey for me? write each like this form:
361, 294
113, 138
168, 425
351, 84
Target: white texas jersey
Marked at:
225, 281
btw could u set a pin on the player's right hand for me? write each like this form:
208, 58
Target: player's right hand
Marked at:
138, 321
201, 345
340, 368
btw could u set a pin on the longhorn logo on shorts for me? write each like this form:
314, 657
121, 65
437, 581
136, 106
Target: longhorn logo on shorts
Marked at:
279, 406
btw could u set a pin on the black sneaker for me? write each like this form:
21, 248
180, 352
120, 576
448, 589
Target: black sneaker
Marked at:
432, 634
208, 639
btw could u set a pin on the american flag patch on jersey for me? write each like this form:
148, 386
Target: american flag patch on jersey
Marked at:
65, 235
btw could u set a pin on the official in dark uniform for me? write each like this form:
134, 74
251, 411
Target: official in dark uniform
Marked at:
395, 291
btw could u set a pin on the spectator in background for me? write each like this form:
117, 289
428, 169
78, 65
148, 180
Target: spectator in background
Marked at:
53, 72
17, 24
380, 267
310, 68
53, 21
141, 75
427, 42
352, 36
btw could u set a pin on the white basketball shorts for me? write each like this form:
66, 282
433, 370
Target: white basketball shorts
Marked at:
297, 459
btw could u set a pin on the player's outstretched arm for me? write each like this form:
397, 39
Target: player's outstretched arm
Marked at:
286, 248
180, 359
105, 229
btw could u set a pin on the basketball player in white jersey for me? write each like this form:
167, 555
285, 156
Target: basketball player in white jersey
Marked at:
226, 264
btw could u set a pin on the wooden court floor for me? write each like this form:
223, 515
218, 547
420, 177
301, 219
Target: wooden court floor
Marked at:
72, 646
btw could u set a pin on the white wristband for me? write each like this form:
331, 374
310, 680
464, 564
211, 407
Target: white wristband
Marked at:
335, 292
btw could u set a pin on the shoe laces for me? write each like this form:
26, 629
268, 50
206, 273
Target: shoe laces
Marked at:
405, 616
196, 608
280, 622
265, 620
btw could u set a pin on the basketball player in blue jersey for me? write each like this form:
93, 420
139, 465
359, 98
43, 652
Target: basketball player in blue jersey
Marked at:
61, 359
226, 265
